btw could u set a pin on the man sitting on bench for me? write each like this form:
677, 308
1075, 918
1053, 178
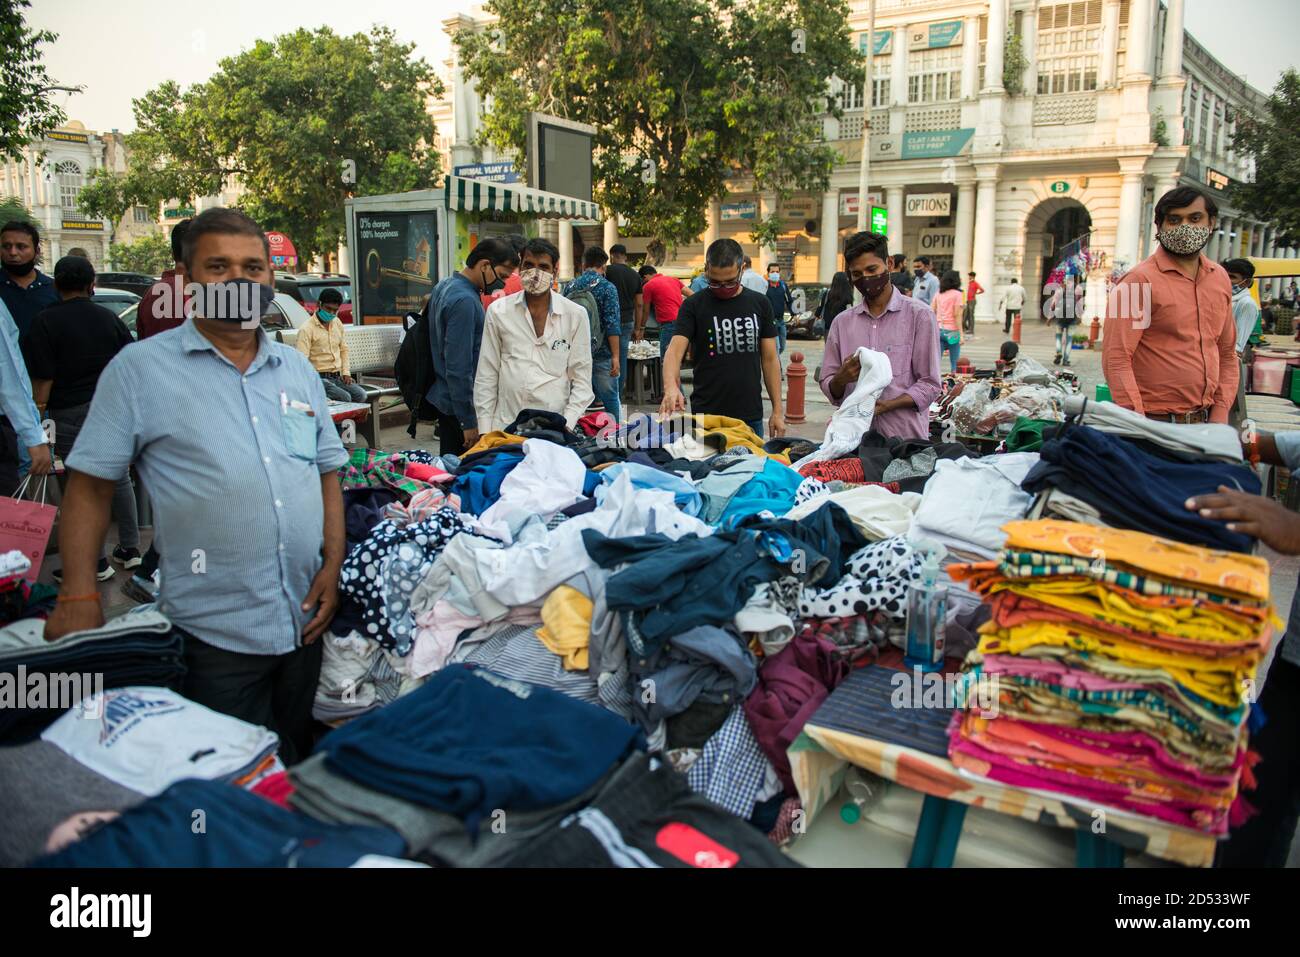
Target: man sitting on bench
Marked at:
322, 341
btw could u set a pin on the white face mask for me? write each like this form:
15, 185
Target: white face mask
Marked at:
536, 281
774, 276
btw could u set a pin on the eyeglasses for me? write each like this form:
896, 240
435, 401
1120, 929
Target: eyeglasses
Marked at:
729, 284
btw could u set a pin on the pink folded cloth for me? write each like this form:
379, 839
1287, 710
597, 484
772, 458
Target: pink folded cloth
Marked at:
427, 473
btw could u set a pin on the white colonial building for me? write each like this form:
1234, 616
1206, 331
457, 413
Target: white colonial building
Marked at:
1004, 135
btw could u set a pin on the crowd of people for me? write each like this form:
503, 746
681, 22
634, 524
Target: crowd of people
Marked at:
231, 434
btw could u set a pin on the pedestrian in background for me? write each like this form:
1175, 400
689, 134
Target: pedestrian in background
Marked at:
322, 341
926, 284
606, 351
973, 289
778, 294
948, 310
1013, 303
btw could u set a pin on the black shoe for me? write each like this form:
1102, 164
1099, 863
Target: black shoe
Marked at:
127, 557
103, 573
140, 589
1057, 360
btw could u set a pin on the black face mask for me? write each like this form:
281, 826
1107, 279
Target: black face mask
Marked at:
872, 286
20, 269
242, 301
496, 283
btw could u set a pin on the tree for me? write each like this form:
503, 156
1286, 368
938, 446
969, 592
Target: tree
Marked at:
12, 208
682, 93
27, 112
1272, 137
302, 122
150, 254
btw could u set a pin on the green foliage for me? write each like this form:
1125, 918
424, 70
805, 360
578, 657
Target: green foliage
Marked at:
302, 121
1273, 138
682, 93
148, 254
767, 231
27, 111
12, 208
1014, 64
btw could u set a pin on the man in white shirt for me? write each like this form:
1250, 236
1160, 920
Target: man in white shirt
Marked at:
536, 351
1013, 301
750, 279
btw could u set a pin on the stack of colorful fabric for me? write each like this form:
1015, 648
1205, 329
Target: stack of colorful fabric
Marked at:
1125, 666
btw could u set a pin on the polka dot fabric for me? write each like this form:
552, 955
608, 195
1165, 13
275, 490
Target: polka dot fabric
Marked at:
877, 579
382, 572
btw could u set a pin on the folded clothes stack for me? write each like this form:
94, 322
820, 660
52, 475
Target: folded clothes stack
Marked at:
135, 649
1124, 665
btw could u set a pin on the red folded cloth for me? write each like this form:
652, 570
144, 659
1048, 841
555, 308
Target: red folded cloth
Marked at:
837, 470
276, 788
427, 473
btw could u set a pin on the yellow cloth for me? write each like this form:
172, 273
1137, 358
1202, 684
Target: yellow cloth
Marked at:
325, 345
492, 440
1221, 680
734, 432
566, 626
1228, 572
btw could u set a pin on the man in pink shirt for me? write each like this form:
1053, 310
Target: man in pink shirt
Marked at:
1170, 347
902, 328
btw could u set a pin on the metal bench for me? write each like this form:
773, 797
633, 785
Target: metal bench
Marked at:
372, 352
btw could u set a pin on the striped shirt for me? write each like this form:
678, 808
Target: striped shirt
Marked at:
232, 470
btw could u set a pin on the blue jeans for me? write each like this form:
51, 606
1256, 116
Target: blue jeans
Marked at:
953, 350
757, 427
780, 335
624, 340
603, 384
665, 337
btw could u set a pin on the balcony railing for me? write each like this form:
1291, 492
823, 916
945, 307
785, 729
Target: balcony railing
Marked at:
925, 119
1059, 110
851, 124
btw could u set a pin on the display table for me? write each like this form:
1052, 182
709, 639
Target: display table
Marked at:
820, 754
645, 381
358, 412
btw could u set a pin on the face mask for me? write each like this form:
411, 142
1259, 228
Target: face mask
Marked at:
1184, 240
1240, 287
242, 301
494, 284
536, 281
324, 315
871, 286
20, 269
729, 291
774, 276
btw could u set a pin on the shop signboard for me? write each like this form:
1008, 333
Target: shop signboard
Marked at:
928, 204
740, 210
1215, 179
489, 172
1060, 186
84, 225
933, 36
938, 242
879, 221
936, 144
849, 202
398, 267
882, 40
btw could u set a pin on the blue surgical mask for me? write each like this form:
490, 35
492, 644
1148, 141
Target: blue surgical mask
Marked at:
324, 315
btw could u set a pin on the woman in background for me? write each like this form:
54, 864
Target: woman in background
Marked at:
947, 309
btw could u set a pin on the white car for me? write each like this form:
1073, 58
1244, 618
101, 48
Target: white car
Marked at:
282, 321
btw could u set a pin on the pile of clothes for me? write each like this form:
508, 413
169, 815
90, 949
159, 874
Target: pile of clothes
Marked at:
1123, 664
18, 598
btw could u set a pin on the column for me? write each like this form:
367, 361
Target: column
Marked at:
970, 59
1109, 43
963, 245
894, 205
611, 231
565, 245
898, 67
1195, 114
828, 253
1029, 42
1130, 209
714, 228
994, 56
986, 232
1138, 56
766, 208
1214, 247
1172, 67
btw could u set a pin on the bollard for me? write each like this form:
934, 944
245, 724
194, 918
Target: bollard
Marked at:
1015, 328
795, 374
1094, 332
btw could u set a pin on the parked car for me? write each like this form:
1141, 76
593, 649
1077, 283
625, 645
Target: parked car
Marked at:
136, 282
803, 326
306, 288
285, 318
119, 300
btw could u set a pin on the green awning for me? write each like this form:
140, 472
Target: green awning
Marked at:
473, 194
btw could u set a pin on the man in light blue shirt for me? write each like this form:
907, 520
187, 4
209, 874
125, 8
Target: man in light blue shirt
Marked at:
21, 433
1265, 840
926, 283
1245, 311
232, 435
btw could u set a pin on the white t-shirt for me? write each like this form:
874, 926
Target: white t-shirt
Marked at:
1015, 296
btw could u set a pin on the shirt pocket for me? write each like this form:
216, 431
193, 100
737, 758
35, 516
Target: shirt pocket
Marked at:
555, 357
299, 433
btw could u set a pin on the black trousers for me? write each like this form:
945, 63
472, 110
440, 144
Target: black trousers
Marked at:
8, 457
1011, 314
451, 437
1265, 840
275, 691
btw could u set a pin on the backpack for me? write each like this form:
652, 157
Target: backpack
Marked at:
413, 367
584, 298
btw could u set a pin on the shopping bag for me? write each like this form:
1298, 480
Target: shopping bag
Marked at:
25, 524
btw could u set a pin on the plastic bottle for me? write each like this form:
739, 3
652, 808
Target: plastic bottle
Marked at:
927, 613
865, 791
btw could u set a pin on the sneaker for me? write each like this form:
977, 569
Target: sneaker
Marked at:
140, 589
127, 557
103, 573
1057, 360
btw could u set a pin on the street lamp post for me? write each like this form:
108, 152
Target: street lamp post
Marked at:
864, 167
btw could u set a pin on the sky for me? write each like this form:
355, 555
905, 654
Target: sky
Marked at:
120, 50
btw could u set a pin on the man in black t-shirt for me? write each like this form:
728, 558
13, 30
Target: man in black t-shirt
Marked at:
66, 350
733, 341
630, 304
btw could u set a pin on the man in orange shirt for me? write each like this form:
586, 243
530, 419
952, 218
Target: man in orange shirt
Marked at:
1170, 348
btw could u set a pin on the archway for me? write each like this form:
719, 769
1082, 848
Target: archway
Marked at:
1053, 230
